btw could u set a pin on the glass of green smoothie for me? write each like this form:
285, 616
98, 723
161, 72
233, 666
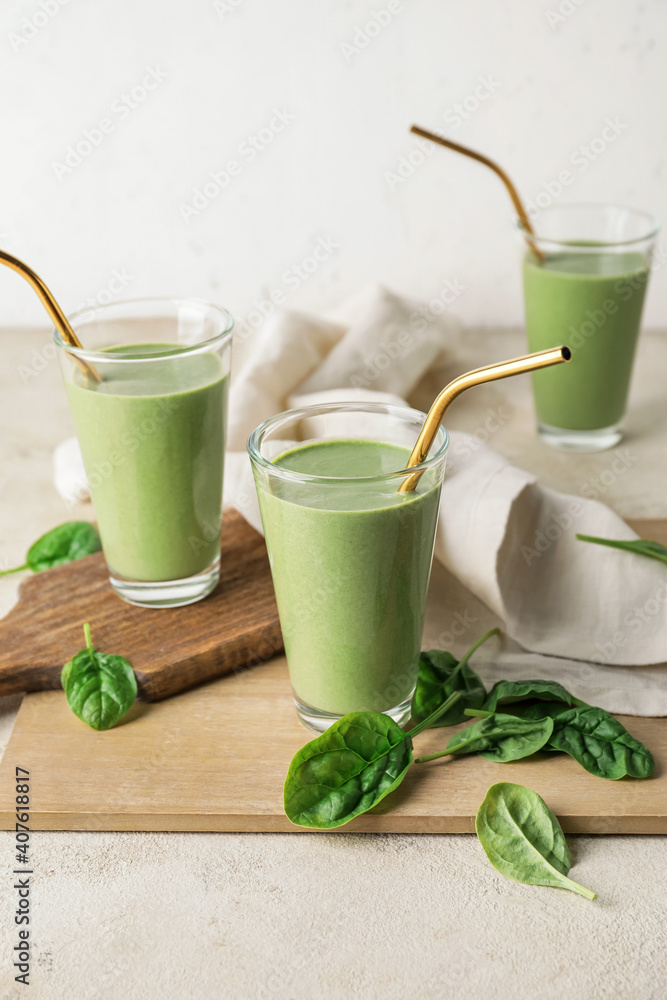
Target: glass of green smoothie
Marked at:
350, 555
152, 436
585, 275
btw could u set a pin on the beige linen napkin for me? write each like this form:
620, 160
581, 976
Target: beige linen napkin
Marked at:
593, 618
501, 535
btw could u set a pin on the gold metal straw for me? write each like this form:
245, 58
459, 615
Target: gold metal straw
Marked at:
515, 366
53, 309
513, 193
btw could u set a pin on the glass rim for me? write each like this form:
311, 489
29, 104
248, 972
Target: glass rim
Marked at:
253, 443
653, 226
100, 357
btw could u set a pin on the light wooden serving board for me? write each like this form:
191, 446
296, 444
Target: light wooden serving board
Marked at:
170, 649
215, 758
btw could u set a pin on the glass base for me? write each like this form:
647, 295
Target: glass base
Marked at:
318, 721
167, 593
582, 441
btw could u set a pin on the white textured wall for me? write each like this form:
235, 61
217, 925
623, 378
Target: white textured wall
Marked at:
327, 166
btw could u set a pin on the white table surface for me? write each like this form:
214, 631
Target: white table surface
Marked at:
206, 916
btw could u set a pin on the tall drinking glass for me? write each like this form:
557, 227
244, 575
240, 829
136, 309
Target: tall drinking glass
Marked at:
152, 436
350, 555
587, 292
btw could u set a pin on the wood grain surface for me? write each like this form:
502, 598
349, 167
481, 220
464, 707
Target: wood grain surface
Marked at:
215, 758
171, 649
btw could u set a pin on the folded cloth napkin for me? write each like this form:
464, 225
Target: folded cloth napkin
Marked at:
593, 618
501, 535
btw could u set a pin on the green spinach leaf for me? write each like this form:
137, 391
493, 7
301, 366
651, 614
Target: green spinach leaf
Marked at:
642, 546
498, 737
69, 541
509, 692
598, 741
542, 710
523, 840
100, 687
351, 767
440, 674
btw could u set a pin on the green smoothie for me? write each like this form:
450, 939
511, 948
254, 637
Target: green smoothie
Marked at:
593, 303
351, 565
152, 440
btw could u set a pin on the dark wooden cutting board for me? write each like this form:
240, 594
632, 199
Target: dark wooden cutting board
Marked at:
171, 649
200, 762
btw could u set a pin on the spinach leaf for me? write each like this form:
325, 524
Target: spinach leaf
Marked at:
542, 710
642, 546
440, 674
350, 768
69, 541
498, 737
523, 840
598, 741
509, 692
100, 687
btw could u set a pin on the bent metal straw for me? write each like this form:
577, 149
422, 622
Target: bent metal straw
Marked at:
515, 366
492, 165
52, 308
